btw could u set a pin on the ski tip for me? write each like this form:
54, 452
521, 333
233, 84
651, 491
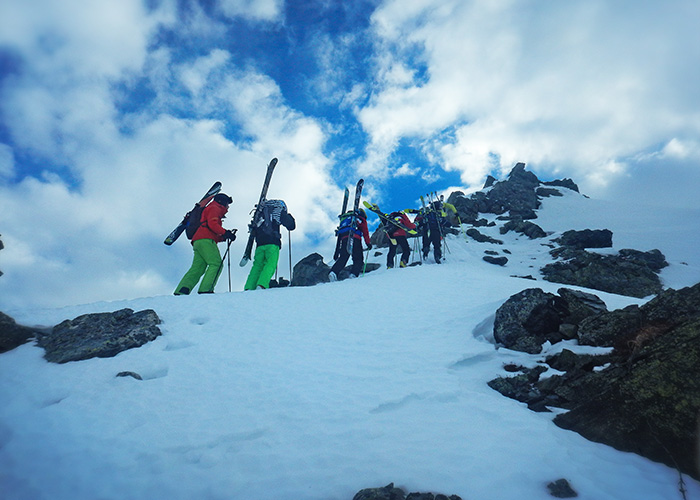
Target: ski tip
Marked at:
243, 261
273, 162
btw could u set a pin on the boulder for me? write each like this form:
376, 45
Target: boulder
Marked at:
482, 238
588, 238
498, 261
527, 228
101, 335
13, 335
311, 270
529, 319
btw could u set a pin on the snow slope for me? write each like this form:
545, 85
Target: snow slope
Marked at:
315, 393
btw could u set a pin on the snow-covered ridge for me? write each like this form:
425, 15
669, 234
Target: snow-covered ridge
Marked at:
317, 392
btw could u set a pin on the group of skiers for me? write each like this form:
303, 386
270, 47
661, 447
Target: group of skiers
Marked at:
430, 223
207, 263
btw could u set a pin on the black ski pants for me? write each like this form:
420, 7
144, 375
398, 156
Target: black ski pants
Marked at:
432, 235
401, 241
357, 257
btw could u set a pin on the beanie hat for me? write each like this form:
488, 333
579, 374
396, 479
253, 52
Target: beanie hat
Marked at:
223, 199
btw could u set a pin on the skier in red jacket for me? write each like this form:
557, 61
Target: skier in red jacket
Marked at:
207, 259
398, 237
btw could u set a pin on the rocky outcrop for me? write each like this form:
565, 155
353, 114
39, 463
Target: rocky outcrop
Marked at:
643, 396
518, 196
390, 492
13, 335
630, 272
100, 335
1, 247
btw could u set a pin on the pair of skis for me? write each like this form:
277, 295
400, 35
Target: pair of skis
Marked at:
353, 214
389, 220
258, 212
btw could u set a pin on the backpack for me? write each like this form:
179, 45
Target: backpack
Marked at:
393, 228
194, 220
270, 221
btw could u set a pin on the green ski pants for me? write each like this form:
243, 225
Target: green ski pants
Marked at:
264, 266
207, 262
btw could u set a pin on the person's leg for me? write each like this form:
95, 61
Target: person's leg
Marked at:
258, 263
272, 255
211, 255
357, 258
191, 277
405, 250
391, 254
343, 258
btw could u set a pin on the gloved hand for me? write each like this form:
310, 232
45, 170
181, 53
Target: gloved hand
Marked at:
369, 246
230, 235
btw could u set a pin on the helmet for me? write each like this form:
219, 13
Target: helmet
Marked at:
223, 199
362, 213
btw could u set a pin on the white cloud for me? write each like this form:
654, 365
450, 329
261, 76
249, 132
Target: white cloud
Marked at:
576, 84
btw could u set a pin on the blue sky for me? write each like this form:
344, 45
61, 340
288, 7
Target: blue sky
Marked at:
116, 117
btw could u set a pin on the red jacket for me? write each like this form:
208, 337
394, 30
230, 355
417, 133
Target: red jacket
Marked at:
362, 227
211, 228
406, 222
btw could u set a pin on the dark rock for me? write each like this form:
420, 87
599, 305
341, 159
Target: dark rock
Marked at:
603, 329
388, 492
467, 208
566, 183
499, 261
527, 228
528, 319
311, 270
588, 238
646, 400
561, 489
130, 374
490, 181
581, 305
629, 275
648, 405
482, 238
13, 335
653, 259
544, 192
101, 335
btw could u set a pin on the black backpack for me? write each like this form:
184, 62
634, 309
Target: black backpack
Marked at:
194, 220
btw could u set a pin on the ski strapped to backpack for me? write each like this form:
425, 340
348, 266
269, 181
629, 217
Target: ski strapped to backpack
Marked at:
257, 213
191, 216
353, 216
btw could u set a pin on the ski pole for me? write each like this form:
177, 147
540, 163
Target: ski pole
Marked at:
228, 247
364, 265
289, 237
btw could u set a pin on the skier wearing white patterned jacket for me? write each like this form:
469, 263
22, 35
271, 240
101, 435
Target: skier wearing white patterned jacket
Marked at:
268, 242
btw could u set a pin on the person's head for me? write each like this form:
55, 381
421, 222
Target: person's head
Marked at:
223, 199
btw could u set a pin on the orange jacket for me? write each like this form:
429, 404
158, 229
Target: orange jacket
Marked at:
211, 227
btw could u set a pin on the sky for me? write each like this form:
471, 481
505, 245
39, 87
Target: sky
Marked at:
116, 118
274, 395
